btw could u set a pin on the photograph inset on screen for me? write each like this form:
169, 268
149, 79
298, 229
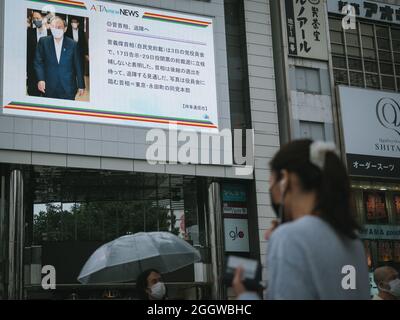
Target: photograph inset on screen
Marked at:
57, 56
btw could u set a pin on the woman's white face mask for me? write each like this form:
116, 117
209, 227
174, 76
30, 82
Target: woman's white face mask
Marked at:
158, 290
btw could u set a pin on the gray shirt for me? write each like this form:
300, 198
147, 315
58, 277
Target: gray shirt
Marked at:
305, 261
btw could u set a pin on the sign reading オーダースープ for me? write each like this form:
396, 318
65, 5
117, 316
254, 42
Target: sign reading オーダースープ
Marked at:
371, 129
306, 28
146, 67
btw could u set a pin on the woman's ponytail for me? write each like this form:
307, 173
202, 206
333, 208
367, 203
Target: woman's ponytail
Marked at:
334, 197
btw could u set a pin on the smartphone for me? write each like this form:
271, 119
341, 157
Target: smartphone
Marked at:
251, 275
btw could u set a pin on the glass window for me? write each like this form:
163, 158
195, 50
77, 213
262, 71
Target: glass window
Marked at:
385, 251
352, 39
372, 80
312, 130
335, 24
369, 54
368, 42
385, 55
339, 62
396, 201
370, 66
355, 64
375, 207
395, 34
386, 68
396, 249
388, 83
397, 57
337, 49
396, 45
341, 76
382, 32
313, 80
308, 80
356, 79
377, 66
383, 44
97, 216
336, 37
367, 29
238, 87
353, 51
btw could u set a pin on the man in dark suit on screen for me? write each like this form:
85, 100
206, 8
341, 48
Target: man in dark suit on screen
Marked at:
58, 65
35, 32
75, 32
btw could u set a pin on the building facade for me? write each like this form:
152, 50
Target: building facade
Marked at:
371, 65
68, 185
337, 66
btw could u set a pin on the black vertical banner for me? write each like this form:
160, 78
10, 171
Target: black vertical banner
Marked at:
291, 27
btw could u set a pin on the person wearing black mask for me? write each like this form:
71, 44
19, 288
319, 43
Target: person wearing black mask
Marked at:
37, 31
315, 252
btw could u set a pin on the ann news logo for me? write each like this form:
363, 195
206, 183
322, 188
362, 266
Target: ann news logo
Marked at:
122, 12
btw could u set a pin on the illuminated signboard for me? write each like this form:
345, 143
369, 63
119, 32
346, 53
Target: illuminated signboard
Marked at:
134, 65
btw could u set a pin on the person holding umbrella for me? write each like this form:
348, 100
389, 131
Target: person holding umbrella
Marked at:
143, 257
149, 286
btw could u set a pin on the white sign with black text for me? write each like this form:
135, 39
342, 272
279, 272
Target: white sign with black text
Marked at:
380, 232
236, 235
306, 28
143, 66
371, 122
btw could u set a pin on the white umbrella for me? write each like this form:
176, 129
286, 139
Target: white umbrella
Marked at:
123, 259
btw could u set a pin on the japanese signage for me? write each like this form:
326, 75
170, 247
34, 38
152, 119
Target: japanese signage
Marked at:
373, 10
236, 235
140, 67
373, 145
306, 28
234, 199
380, 232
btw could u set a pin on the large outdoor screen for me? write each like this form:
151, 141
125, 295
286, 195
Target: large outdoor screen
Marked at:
109, 63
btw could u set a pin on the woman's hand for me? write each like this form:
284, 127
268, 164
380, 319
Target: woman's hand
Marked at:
237, 283
269, 231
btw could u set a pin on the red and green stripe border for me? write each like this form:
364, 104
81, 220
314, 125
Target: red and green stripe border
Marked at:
65, 3
108, 115
173, 19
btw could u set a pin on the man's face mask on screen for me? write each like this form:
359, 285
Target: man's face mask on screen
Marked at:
57, 33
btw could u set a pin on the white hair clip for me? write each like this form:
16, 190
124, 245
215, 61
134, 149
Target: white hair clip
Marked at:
318, 151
